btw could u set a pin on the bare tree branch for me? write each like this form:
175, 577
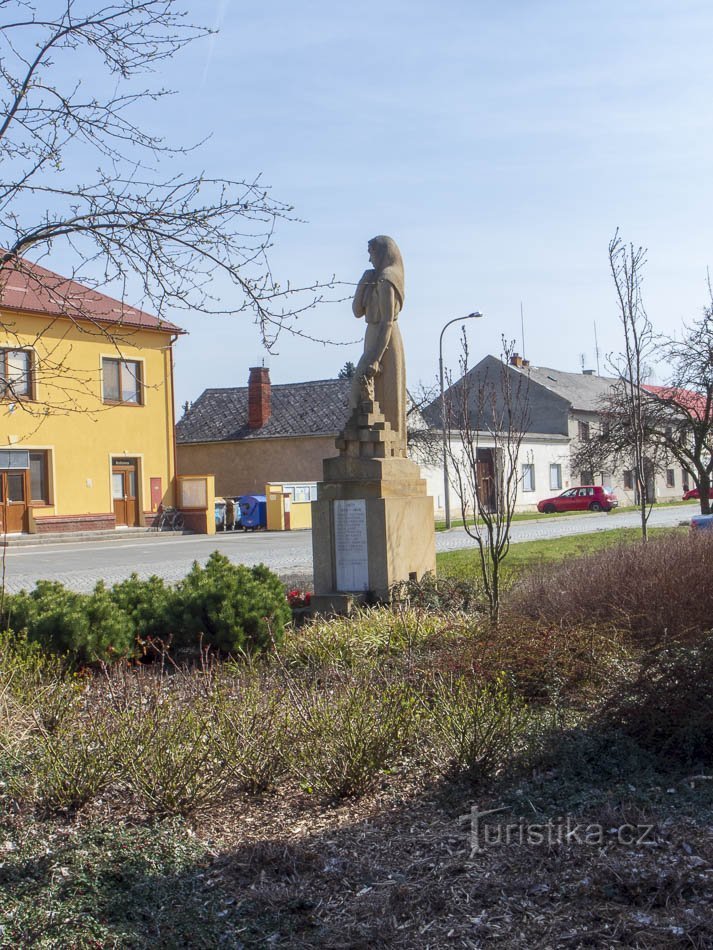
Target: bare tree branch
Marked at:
168, 241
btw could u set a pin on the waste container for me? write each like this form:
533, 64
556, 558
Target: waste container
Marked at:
220, 514
253, 512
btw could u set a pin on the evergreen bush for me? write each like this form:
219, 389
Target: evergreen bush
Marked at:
225, 606
84, 627
229, 606
150, 605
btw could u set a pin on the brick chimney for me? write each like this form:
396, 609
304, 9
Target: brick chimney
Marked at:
258, 397
516, 360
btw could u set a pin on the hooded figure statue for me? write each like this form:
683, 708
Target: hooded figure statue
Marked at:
379, 298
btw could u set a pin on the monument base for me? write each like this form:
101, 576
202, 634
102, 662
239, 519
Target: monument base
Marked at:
372, 528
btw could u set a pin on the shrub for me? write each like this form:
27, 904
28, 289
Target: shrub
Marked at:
369, 634
350, 735
668, 709
149, 604
543, 662
84, 627
252, 733
636, 588
475, 728
25, 666
442, 593
167, 753
75, 764
229, 606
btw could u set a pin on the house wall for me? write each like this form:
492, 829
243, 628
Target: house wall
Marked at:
245, 467
541, 452
68, 419
616, 479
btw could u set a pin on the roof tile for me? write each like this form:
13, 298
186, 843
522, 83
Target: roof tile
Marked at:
320, 407
28, 287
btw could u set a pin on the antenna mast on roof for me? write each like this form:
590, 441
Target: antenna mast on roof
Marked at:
522, 328
596, 346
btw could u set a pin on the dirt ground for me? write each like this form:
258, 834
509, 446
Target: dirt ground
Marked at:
405, 868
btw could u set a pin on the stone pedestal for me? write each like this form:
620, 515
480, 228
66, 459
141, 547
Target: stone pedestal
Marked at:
372, 523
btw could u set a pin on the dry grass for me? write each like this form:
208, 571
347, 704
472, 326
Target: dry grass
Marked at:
651, 592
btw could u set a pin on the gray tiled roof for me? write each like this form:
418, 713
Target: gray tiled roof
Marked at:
314, 408
583, 390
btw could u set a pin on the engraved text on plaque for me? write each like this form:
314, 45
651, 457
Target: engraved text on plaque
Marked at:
350, 550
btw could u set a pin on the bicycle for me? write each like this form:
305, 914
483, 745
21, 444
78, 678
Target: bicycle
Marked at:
170, 519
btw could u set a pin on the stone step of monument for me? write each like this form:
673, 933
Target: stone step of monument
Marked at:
372, 421
375, 435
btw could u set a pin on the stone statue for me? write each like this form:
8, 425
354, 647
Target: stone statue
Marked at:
381, 373
372, 522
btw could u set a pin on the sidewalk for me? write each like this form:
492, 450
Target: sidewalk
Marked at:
68, 537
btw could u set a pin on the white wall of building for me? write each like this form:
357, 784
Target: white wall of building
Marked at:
540, 452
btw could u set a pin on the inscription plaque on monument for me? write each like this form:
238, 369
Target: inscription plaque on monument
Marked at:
350, 548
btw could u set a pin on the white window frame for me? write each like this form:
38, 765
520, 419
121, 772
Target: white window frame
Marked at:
528, 483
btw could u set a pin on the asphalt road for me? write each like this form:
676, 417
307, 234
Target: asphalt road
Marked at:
80, 565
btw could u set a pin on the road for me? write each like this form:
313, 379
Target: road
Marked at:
79, 565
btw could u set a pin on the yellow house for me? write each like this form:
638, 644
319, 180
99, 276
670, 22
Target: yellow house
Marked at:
86, 407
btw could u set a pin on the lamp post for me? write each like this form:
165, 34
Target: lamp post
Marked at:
446, 485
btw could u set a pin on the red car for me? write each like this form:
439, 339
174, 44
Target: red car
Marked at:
695, 493
581, 498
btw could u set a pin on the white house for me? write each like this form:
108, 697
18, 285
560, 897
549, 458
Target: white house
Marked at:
562, 409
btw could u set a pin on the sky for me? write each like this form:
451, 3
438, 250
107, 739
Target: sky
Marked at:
500, 144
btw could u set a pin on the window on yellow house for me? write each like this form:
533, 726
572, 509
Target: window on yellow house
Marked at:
122, 381
39, 478
15, 374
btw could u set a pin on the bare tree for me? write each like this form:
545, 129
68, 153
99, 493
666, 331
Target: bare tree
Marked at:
679, 415
135, 225
425, 444
487, 417
626, 264
655, 425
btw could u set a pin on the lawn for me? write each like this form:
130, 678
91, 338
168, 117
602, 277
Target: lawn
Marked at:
526, 555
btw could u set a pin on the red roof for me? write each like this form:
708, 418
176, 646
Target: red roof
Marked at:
34, 289
690, 401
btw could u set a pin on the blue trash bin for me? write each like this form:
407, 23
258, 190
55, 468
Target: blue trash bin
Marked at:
253, 512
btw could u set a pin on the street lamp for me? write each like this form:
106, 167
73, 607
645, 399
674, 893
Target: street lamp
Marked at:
446, 486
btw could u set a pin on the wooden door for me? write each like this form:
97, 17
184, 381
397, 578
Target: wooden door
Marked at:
485, 473
14, 492
123, 492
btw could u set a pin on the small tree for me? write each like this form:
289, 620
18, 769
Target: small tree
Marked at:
680, 414
626, 264
487, 417
671, 421
347, 371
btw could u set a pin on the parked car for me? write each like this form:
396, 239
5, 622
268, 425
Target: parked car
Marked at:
580, 498
702, 523
695, 493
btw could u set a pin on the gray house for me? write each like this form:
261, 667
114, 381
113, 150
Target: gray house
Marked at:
563, 409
